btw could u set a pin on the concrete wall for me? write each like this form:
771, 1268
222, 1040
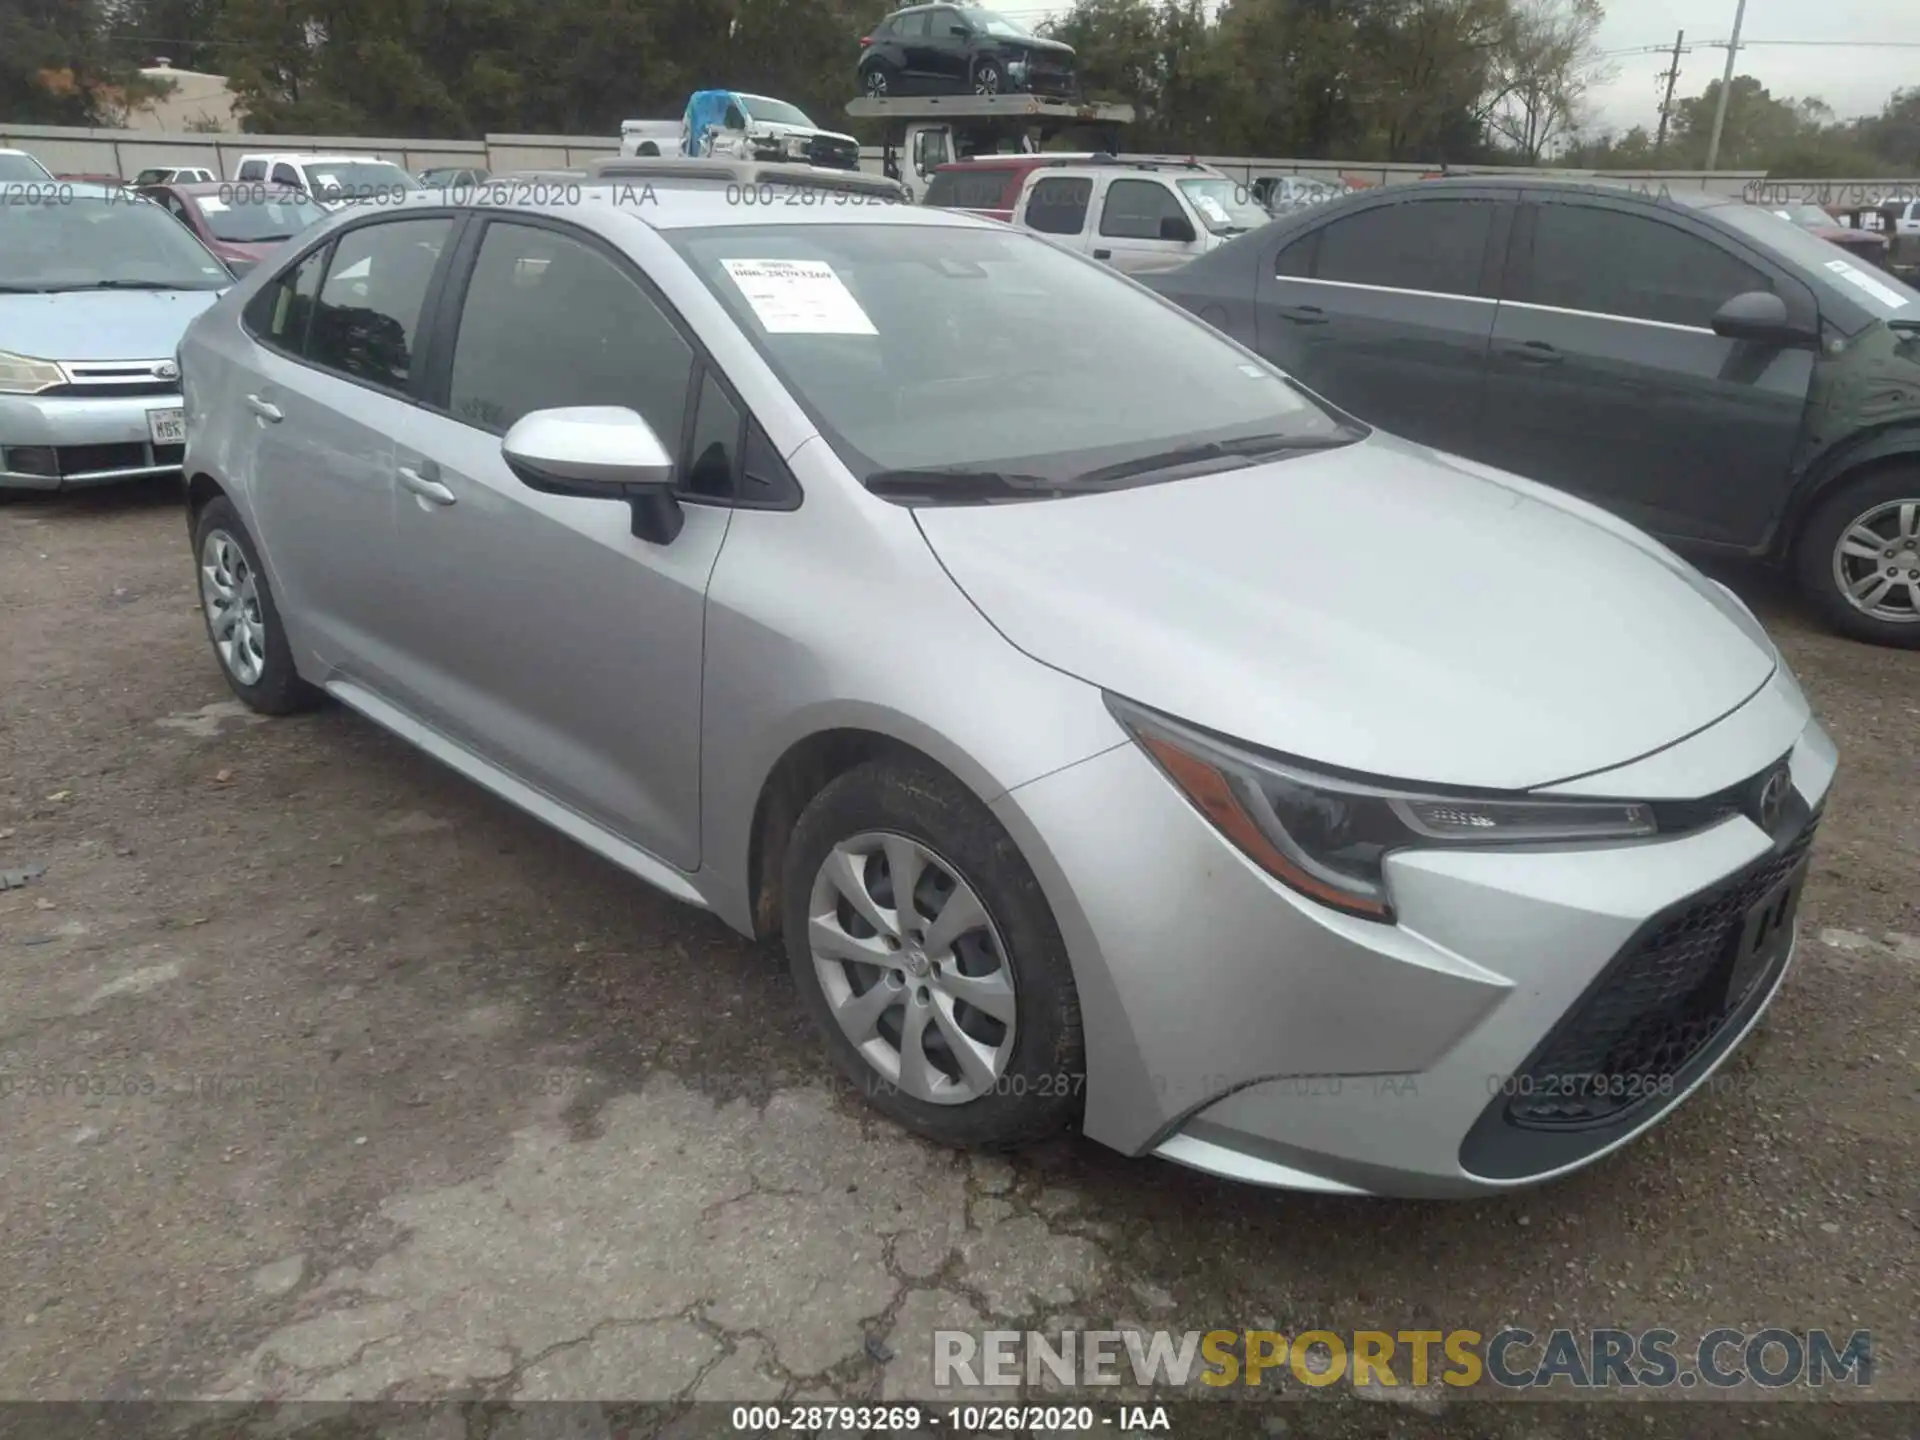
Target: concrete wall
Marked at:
126, 152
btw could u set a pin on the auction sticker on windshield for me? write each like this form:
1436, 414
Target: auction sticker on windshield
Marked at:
1860, 280
167, 427
799, 297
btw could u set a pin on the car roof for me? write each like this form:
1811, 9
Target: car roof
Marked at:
1649, 191
222, 188
117, 191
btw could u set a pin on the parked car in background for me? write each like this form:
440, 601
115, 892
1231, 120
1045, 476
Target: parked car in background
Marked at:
90, 177
332, 180
444, 177
17, 166
990, 185
580, 499
97, 285
732, 125
1285, 194
651, 138
962, 50
1700, 366
1137, 215
242, 224
1869, 245
174, 175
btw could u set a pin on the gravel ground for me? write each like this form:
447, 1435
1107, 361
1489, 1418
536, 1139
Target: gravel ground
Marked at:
394, 1094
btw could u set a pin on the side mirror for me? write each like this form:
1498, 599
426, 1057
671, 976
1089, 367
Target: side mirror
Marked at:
1759, 316
598, 452
1177, 227
959, 32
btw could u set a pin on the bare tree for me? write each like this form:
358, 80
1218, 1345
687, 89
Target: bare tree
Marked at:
1542, 69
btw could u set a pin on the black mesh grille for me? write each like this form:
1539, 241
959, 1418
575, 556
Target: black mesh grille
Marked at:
833, 154
1655, 1008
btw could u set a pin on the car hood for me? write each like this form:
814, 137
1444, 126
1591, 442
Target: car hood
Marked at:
1380, 608
781, 129
100, 324
1053, 49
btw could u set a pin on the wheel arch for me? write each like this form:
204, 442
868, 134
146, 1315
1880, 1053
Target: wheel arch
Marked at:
1887, 447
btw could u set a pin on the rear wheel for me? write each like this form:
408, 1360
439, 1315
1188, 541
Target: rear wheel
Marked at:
873, 80
923, 948
1859, 558
242, 621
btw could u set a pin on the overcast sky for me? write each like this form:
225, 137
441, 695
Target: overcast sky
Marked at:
1852, 80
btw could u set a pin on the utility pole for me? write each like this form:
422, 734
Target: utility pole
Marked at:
1726, 86
1666, 101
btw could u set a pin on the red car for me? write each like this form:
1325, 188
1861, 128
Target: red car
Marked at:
242, 224
1863, 243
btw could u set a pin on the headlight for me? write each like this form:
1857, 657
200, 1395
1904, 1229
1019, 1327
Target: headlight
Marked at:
796, 144
24, 375
1329, 837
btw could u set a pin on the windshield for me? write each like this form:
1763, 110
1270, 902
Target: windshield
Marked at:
22, 167
1808, 215
83, 242
992, 24
359, 177
775, 112
247, 217
1871, 289
1227, 208
917, 347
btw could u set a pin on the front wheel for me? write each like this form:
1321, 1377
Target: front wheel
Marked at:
922, 946
1859, 558
989, 77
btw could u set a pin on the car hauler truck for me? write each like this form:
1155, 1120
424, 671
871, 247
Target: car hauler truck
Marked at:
924, 132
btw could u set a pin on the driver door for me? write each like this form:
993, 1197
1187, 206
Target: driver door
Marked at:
1130, 233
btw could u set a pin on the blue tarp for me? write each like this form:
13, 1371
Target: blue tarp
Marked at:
705, 109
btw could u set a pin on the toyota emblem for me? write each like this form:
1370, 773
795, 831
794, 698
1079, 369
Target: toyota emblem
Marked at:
1773, 799
166, 370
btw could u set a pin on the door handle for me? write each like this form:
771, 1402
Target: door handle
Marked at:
1535, 352
1103, 254
265, 409
1303, 314
425, 486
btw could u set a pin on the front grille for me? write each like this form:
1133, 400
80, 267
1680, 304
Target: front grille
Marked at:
833, 154
1654, 1009
1050, 82
111, 390
84, 460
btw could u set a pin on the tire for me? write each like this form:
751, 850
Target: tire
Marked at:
873, 81
259, 665
989, 77
1027, 1079
1873, 503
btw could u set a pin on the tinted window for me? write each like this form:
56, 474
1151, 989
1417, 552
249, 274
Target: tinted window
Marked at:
1058, 205
252, 170
899, 338
970, 189
735, 120
1614, 263
1433, 245
150, 177
279, 314
911, 27
1297, 257
286, 175
367, 320
944, 21
715, 450
550, 321
1133, 209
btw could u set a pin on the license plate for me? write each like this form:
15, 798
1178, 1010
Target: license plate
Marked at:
167, 427
1767, 932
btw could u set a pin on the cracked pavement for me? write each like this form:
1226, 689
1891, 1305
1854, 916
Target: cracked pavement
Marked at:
356, 1084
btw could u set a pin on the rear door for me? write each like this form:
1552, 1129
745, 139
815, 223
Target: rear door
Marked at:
1607, 380
1133, 213
535, 629
1388, 311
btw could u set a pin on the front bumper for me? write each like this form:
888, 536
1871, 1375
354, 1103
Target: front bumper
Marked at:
1237, 1028
97, 439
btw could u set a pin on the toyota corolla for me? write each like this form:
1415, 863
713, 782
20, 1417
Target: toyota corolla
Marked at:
1117, 736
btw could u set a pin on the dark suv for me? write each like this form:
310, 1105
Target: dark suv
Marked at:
1702, 367
961, 50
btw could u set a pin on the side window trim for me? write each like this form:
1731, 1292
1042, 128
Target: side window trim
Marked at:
440, 326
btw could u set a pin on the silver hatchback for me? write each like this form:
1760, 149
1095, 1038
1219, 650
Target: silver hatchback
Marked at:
1117, 736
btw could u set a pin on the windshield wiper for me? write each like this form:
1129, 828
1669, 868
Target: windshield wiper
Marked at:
117, 285
23, 289
966, 487
1246, 447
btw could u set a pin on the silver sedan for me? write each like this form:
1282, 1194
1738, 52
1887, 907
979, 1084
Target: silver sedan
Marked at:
1117, 736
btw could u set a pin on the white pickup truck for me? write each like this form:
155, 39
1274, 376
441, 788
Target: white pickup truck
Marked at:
1137, 215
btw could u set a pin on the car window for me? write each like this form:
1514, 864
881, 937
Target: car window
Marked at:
943, 24
550, 321
281, 313
1437, 246
1612, 262
249, 217
1058, 205
1296, 257
735, 120
150, 177
714, 454
970, 189
911, 27
285, 175
366, 322
59, 239
251, 170
1133, 209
